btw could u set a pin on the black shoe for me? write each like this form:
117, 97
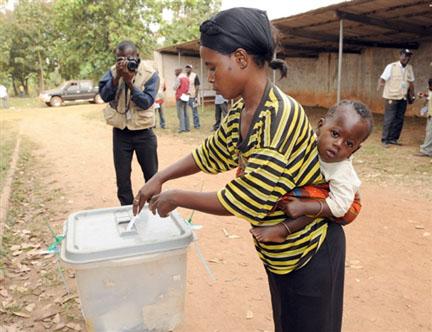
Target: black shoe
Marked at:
394, 142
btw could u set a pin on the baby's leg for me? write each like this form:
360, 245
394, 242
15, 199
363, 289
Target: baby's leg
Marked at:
276, 233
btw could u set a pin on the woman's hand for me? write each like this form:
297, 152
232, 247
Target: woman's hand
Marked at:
163, 203
293, 207
145, 194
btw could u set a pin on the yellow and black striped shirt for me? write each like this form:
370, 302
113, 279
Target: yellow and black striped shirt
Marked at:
278, 154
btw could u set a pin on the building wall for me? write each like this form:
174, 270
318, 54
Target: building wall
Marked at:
313, 82
167, 63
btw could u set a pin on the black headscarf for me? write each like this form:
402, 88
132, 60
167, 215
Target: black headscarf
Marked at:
246, 28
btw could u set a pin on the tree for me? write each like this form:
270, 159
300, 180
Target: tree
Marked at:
76, 38
25, 33
88, 32
187, 17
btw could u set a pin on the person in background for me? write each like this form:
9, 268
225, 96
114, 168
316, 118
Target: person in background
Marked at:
194, 84
398, 82
426, 147
21, 91
130, 88
221, 110
4, 96
158, 105
181, 88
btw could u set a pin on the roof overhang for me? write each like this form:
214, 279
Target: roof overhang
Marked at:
366, 23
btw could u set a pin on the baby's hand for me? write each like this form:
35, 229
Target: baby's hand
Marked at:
293, 207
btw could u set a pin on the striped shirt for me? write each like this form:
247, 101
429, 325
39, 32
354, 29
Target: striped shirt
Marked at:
278, 154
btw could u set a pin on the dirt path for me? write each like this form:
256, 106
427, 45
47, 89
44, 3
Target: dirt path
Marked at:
388, 274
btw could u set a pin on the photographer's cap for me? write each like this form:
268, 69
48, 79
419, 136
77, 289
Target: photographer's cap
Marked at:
406, 51
189, 66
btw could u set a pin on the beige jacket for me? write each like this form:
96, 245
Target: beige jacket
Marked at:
135, 118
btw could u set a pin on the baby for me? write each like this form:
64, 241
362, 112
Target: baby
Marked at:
339, 134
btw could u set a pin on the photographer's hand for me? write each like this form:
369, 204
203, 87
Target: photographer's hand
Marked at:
128, 78
120, 68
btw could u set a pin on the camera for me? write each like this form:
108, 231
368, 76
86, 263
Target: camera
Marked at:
132, 63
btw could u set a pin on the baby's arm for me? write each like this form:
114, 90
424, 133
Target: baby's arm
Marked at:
296, 207
278, 233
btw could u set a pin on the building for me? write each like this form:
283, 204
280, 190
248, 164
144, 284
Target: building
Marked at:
360, 37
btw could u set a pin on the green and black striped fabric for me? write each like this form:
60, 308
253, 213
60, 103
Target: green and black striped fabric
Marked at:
278, 154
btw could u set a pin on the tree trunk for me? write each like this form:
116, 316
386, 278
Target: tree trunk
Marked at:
26, 87
41, 74
14, 87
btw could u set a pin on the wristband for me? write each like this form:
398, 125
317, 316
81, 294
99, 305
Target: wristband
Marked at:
320, 210
286, 227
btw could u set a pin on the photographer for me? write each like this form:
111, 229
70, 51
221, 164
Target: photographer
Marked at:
130, 88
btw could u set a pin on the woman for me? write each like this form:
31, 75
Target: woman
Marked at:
268, 137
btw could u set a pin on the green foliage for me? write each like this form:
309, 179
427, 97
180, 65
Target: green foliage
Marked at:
187, 16
25, 36
50, 41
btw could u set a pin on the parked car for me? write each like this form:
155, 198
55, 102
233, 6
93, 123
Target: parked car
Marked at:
72, 91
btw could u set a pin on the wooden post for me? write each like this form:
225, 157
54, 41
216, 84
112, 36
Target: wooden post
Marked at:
339, 73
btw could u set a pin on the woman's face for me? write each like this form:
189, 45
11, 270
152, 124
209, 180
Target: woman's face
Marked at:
224, 73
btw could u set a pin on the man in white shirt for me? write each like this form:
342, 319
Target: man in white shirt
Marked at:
398, 81
4, 96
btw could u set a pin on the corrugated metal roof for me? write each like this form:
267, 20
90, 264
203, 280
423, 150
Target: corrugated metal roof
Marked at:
366, 23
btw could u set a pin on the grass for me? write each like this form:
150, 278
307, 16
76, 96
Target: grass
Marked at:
25, 102
8, 138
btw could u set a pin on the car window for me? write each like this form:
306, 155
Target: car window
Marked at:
73, 87
86, 86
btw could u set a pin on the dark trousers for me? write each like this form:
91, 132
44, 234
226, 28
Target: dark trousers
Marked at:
125, 142
394, 115
195, 116
311, 299
221, 111
162, 121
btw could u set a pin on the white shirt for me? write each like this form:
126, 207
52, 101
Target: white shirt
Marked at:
343, 182
3, 91
386, 75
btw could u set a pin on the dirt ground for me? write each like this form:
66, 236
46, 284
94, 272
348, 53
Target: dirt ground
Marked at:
388, 283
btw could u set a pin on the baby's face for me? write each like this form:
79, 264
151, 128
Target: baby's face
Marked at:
341, 135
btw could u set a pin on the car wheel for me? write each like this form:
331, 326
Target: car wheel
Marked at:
56, 101
98, 99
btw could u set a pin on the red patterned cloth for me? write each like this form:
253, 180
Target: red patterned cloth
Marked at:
321, 192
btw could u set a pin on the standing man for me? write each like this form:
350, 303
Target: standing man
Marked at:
194, 84
181, 88
4, 96
130, 87
398, 82
221, 110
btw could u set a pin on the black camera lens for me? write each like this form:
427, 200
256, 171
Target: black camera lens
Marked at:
132, 64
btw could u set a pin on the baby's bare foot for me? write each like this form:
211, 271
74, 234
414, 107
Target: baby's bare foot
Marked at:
276, 233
